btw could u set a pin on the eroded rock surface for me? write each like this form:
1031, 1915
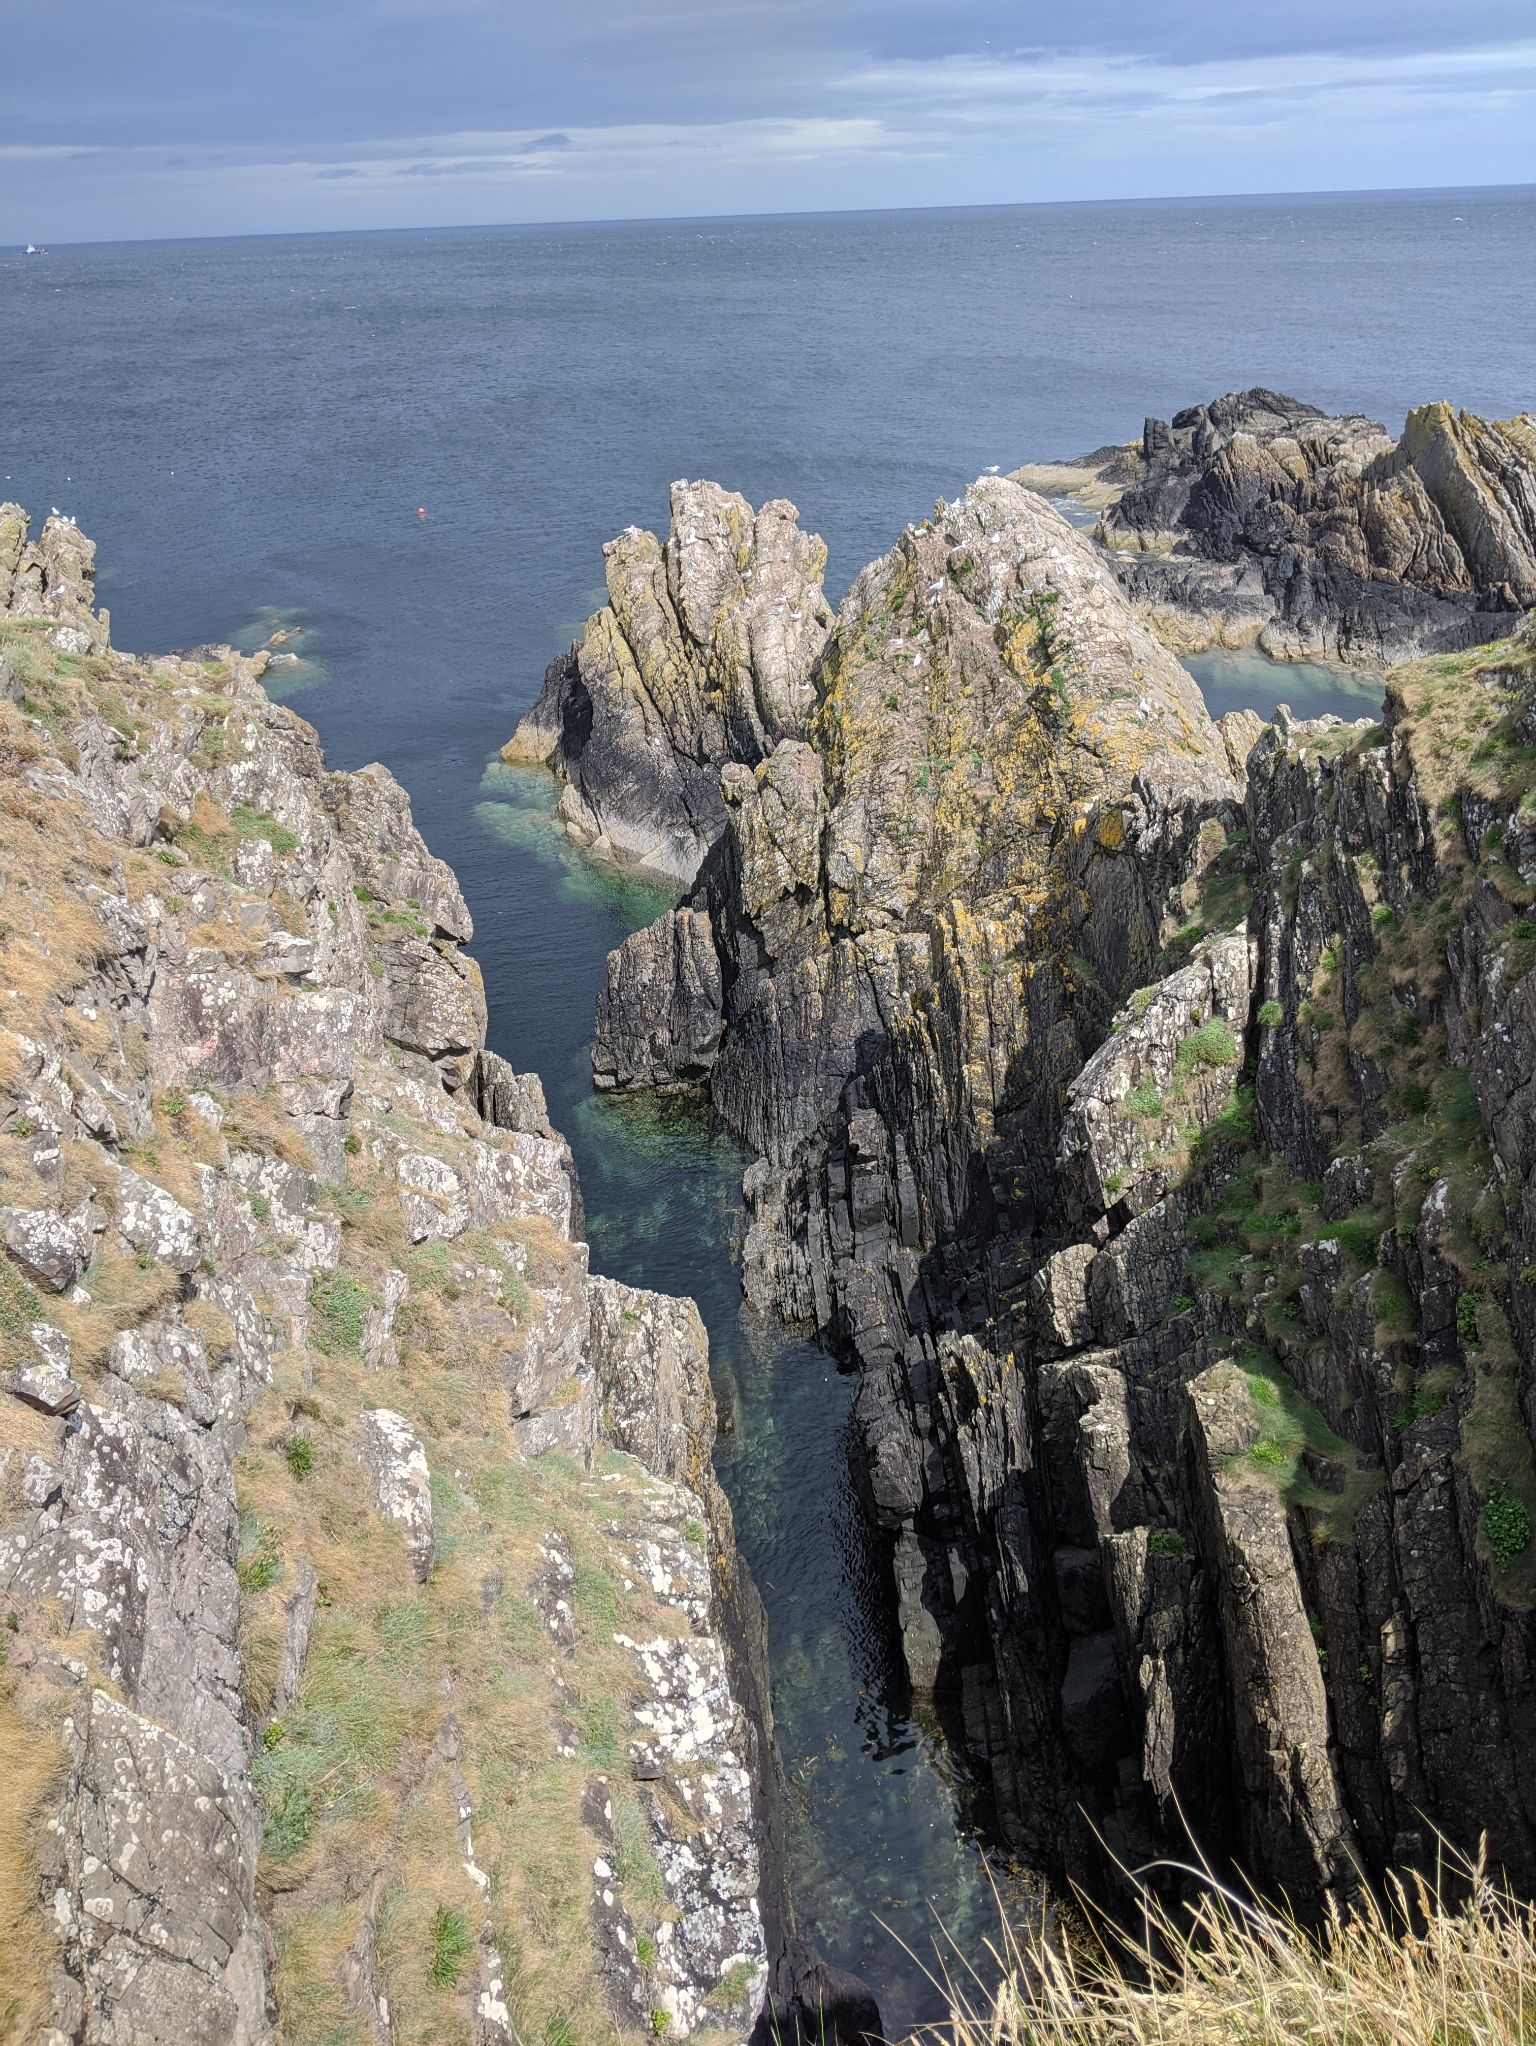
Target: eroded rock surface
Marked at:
1144, 1106
703, 653
1257, 517
304, 1379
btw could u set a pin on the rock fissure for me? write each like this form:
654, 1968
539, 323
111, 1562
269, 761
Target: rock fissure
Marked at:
1139, 1104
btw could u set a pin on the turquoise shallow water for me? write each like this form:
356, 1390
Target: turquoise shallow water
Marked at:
248, 427
1248, 680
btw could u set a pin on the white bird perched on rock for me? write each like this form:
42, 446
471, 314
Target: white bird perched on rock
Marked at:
992, 471
936, 586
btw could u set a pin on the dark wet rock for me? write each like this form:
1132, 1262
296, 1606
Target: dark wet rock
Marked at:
659, 1017
827, 2004
1257, 517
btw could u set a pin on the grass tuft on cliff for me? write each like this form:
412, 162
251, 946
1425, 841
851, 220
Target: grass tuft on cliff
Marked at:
1453, 1962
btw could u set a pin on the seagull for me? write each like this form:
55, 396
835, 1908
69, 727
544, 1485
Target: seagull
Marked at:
936, 586
992, 471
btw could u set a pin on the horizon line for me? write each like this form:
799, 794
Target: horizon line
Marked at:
794, 213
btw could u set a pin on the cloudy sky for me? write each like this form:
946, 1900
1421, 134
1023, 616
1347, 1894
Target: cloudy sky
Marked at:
169, 117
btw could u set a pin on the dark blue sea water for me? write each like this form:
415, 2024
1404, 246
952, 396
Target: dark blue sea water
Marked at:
248, 427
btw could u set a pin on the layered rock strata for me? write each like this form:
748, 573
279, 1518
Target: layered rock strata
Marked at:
375, 1643
702, 653
1141, 1105
1259, 518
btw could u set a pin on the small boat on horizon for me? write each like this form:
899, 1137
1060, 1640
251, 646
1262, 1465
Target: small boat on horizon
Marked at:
34, 250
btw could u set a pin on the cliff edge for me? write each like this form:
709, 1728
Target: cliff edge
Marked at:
1142, 1106
375, 1648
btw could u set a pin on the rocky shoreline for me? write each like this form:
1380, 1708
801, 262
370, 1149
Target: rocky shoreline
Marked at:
1259, 519
1143, 1107
376, 1639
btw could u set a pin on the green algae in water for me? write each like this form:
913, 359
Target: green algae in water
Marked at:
518, 807
287, 676
570, 634
660, 1164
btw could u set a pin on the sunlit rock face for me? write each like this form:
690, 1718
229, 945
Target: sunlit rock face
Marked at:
1258, 517
703, 653
303, 1384
1139, 1103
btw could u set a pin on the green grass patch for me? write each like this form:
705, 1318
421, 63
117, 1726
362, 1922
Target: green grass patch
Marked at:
339, 1304
1210, 1046
1291, 1430
1144, 1101
19, 1305
1396, 1311
340, 1741
452, 1945
1359, 1235
257, 824
259, 1562
1506, 1524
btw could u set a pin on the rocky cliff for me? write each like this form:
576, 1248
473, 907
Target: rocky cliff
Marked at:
1257, 517
702, 653
374, 1662
1143, 1107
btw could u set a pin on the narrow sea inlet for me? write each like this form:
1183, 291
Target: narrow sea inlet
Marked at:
248, 428
887, 1847
892, 1866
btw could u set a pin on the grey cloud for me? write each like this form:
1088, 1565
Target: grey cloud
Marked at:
333, 106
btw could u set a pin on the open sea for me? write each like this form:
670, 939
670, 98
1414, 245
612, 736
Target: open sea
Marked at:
247, 429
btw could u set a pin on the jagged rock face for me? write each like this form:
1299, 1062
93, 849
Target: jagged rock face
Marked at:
703, 653
1281, 1353
293, 1308
1198, 1406
919, 915
1258, 517
52, 578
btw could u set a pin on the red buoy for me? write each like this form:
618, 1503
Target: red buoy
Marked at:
421, 511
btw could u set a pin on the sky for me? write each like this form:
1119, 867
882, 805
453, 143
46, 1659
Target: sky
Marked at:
122, 119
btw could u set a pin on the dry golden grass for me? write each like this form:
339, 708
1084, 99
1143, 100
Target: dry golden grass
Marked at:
34, 1759
124, 1291
1448, 1963
356, 1783
1453, 714
30, 1710
24, 1429
258, 1122
390, 1814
